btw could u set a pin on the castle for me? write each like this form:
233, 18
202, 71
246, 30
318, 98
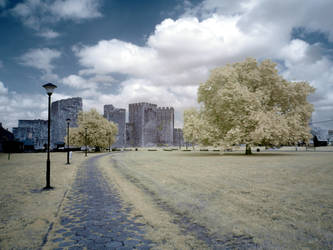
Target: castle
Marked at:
148, 125
118, 116
34, 132
60, 111
31, 132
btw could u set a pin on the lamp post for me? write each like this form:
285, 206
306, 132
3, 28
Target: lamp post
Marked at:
49, 87
86, 140
109, 134
68, 120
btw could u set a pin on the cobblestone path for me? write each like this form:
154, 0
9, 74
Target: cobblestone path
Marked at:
94, 217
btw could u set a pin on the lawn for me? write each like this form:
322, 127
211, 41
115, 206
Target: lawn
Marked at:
26, 212
281, 199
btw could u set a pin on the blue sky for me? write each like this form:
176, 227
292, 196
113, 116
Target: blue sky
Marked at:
119, 52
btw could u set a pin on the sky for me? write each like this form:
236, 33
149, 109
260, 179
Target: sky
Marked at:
126, 51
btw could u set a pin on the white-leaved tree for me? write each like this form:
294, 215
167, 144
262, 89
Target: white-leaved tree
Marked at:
250, 103
100, 132
196, 129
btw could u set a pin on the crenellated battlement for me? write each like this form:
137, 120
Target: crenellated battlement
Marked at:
166, 108
141, 105
152, 125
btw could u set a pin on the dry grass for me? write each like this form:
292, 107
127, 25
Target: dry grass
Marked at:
25, 211
284, 200
159, 224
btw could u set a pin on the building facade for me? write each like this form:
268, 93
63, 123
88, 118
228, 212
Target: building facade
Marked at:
178, 139
60, 111
150, 125
118, 116
165, 126
32, 133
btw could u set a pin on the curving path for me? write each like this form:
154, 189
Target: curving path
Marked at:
94, 217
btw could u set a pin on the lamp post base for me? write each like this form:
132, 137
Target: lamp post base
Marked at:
47, 188
67, 157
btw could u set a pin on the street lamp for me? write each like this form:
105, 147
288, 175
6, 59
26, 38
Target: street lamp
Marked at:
68, 120
49, 87
109, 134
86, 140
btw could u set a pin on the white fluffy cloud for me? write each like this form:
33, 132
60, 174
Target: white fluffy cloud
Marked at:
38, 14
75, 9
75, 81
285, 15
41, 59
115, 56
179, 54
3, 89
78, 82
141, 90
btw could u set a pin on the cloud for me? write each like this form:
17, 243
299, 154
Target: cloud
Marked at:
75, 9
115, 56
16, 106
41, 59
49, 34
139, 90
38, 15
285, 15
3, 89
179, 51
208, 8
179, 54
77, 82
3, 3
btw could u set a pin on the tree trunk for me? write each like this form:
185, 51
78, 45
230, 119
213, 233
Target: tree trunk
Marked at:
248, 150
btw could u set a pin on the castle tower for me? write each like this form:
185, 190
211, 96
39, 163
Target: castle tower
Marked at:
143, 117
117, 116
165, 125
178, 139
60, 111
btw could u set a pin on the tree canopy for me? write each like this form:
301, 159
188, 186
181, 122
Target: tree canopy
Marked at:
100, 132
250, 103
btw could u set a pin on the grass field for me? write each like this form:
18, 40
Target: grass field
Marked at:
25, 211
282, 199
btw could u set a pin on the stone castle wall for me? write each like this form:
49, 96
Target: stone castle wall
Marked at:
129, 135
60, 111
165, 125
152, 126
148, 125
178, 139
32, 130
143, 116
118, 116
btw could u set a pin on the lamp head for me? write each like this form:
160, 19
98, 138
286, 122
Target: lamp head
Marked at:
49, 87
68, 120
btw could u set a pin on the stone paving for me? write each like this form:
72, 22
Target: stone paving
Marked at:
93, 216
